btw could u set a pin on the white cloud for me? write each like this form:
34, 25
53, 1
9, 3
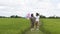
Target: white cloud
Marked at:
22, 7
58, 6
2, 7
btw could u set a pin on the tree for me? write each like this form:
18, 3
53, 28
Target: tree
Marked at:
2, 17
41, 16
15, 16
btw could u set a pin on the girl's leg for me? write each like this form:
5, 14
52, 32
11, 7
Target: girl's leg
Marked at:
32, 26
37, 25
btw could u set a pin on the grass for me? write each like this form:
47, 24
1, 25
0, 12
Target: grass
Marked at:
13, 25
20, 25
50, 26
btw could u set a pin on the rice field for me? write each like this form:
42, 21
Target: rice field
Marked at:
20, 25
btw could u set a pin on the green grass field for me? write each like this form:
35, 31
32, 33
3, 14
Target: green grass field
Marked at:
20, 25
13, 25
50, 26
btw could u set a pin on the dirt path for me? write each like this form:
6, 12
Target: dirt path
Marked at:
34, 32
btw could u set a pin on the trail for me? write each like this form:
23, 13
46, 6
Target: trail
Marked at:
34, 32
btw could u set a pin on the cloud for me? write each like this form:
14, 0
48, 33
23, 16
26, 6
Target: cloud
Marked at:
2, 7
22, 7
58, 6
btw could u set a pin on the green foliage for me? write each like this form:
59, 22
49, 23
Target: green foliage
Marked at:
13, 25
2, 17
41, 16
50, 26
15, 16
20, 25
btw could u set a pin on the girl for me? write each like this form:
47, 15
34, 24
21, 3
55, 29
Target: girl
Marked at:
37, 21
32, 19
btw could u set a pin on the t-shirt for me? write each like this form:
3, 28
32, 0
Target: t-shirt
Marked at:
37, 18
32, 19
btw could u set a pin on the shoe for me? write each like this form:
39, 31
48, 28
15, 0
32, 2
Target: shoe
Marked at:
32, 29
37, 29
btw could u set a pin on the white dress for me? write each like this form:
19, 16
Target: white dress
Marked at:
37, 18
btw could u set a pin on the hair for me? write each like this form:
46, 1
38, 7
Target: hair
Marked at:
32, 15
37, 14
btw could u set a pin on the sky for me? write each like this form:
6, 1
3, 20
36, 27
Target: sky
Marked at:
23, 7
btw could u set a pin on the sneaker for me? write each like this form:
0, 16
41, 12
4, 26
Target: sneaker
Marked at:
32, 29
37, 29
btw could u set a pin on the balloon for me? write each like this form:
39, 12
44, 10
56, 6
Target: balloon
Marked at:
28, 15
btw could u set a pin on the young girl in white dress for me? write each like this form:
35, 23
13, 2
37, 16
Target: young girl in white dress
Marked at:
37, 21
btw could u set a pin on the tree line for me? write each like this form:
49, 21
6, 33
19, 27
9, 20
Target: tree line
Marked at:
13, 16
16, 16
